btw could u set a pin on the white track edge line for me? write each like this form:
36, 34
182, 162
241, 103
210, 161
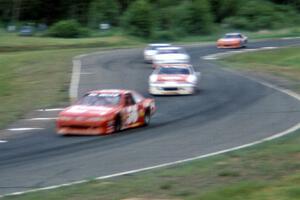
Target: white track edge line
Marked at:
50, 109
73, 91
41, 119
221, 55
3, 141
24, 129
264, 83
289, 38
283, 133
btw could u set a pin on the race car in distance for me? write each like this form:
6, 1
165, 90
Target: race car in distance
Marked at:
151, 50
232, 40
105, 111
166, 55
170, 79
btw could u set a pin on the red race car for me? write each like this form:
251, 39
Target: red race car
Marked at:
105, 111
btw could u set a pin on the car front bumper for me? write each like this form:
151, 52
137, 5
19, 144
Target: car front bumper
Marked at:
229, 45
83, 128
171, 89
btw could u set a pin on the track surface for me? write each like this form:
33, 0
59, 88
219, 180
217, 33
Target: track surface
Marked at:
228, 111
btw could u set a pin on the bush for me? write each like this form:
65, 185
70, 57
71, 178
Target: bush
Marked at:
163, 36
138, 19
67, 29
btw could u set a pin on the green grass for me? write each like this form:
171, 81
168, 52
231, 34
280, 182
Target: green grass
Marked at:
281, 63
34, 79
13, 42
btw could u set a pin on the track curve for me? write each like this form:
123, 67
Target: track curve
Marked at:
228, 111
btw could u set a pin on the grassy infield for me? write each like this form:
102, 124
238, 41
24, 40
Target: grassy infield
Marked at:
270, 171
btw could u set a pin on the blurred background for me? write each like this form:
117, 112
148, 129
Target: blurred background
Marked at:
149, 19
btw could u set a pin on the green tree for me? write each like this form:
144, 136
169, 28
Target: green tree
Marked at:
195, 17
6, 7
255, 15
294, 3
224, 8
103, 11
138, 19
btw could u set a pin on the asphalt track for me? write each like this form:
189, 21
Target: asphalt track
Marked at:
228, 111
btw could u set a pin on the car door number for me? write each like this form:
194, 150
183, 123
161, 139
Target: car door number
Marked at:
132, 114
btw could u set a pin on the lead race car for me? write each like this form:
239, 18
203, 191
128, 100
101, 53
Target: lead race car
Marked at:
232, 40
105, 111
170, 79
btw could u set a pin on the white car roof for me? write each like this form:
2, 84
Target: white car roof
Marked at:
159, 45
169, 48
176, 65
233, 34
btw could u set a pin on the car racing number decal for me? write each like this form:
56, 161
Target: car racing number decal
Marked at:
131, 114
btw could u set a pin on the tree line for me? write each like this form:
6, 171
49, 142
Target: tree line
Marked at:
147, 17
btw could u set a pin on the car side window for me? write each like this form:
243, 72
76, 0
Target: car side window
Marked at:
129, 100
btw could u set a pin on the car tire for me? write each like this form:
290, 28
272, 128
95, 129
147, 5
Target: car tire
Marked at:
117, 124
196, 91
147, 117
245, 44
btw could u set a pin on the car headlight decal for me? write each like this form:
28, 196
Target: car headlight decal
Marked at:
153, 78
65, 118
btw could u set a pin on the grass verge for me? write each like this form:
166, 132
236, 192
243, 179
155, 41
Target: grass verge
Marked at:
34, 79
273, 65
269, 171
10, 42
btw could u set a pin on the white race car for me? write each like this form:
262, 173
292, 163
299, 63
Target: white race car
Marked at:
151, 50
172, 79
167, 55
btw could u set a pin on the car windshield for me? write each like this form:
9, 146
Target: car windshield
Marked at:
232, 36
95, 99
156, 47
173, 70
170, 51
